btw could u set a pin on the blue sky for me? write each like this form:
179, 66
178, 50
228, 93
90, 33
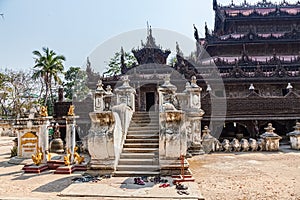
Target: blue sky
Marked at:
74, 28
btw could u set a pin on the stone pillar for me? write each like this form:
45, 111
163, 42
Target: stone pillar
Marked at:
43, 136
71, 134
295, 137
101, 142
99, 97
126, 94
194, 115
271, 139
172, 133
106, 134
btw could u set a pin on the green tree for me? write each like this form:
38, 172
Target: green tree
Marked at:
48, 66
115, 63
75, 83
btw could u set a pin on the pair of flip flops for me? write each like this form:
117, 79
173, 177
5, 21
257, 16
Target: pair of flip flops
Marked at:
182, 189
139, 181
180, 186
181, 192
164, 185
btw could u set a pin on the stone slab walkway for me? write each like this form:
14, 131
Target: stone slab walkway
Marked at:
122, 187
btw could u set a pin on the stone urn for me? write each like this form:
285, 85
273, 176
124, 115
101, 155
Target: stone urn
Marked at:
271, 139
295, 137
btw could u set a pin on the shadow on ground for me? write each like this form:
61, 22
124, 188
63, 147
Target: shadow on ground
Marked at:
129, 183
6, 164
25, 176
55, 186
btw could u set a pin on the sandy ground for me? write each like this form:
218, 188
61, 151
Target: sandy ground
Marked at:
219, 176
248, 175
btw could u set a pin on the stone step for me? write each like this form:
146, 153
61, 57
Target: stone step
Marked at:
141, 140
154, 118
135, 173
134, 161
146, 132
145, 168
142, 136
139, 150
140, 145
137, 155
145, 128
145, 123
146, 113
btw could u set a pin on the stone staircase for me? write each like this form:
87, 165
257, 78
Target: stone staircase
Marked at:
140, 150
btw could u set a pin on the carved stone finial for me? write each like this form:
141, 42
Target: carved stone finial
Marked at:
194, 80
270, 128
289, 86
108, 90
251, 88
99, 86
167, 79
125, 81
208, 89
297, 127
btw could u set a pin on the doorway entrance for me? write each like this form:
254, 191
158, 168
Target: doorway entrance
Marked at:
150, 100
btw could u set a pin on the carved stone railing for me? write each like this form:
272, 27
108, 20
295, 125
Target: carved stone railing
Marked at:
110, 121
180, 124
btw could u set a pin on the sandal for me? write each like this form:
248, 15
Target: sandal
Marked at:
164, 185
179, 192
181, 187
185, 192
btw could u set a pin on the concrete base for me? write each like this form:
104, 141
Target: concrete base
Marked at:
173, 167
53, 164
95, 168
195, 150
34, 168
70, 169
122, 187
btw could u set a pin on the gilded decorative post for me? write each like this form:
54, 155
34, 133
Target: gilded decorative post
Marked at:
43, 135
71, 131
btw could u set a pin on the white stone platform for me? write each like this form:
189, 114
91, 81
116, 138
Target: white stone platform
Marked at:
124, 187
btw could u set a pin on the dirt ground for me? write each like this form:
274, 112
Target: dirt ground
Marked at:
249, 175
219, 176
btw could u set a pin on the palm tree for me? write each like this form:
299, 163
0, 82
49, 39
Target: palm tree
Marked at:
48, 66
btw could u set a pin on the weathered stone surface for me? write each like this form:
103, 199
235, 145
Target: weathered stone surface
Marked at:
295, 137
271, 139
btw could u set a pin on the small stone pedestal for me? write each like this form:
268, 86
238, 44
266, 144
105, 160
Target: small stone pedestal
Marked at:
37, 169
295, 137
271, 139
70, 169
208, 141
